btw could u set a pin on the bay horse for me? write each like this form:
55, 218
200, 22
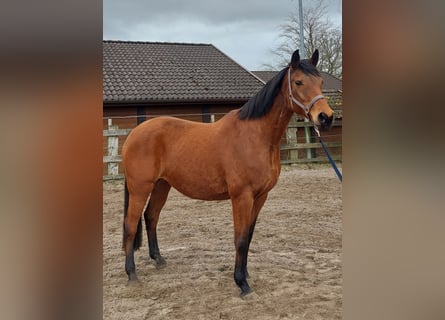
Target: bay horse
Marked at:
236, 158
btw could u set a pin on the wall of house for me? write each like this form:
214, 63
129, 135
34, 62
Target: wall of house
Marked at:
125, 116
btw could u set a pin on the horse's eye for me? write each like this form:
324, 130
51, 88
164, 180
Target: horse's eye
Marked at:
298, 83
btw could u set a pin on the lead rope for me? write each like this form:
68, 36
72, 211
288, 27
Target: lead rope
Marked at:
339, 175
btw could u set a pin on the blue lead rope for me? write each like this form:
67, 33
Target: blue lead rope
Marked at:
340, 177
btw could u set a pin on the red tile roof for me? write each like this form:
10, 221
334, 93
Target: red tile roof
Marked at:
172, 72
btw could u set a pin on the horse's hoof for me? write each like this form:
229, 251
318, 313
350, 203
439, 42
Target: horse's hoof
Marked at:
160, 262
132, 277
252, 297
133, 282
245, 290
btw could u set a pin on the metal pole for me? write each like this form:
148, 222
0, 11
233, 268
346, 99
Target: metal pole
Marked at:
302, 50
307, 131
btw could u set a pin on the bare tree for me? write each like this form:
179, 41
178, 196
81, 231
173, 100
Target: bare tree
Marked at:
319, 33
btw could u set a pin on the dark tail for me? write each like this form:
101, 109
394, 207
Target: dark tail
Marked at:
138, 237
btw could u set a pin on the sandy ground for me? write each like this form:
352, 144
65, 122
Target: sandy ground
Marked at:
294, 260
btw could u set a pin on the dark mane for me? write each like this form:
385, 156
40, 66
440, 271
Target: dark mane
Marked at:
260, 104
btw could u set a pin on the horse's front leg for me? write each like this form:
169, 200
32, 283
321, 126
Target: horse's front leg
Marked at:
257, 205
242, 222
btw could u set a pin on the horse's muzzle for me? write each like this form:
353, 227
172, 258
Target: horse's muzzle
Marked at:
325, 121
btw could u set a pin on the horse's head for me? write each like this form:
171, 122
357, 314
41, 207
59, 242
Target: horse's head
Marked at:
306, 99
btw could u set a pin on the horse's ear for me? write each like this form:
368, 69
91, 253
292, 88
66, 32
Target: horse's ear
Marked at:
295, 60
314, 58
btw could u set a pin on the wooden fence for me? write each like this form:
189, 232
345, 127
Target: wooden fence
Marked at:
112, 158
292, 151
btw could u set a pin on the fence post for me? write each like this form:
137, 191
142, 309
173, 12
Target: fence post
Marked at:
291, 140
113, 146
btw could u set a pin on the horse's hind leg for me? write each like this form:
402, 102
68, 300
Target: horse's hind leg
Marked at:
137, 197
151, 215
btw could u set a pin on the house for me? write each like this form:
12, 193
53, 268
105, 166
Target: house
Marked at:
193, 81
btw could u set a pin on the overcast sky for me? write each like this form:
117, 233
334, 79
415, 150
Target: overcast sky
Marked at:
245, 30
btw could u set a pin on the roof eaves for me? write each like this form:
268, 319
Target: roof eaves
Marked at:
172, 101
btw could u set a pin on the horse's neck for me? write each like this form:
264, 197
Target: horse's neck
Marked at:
277, 119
